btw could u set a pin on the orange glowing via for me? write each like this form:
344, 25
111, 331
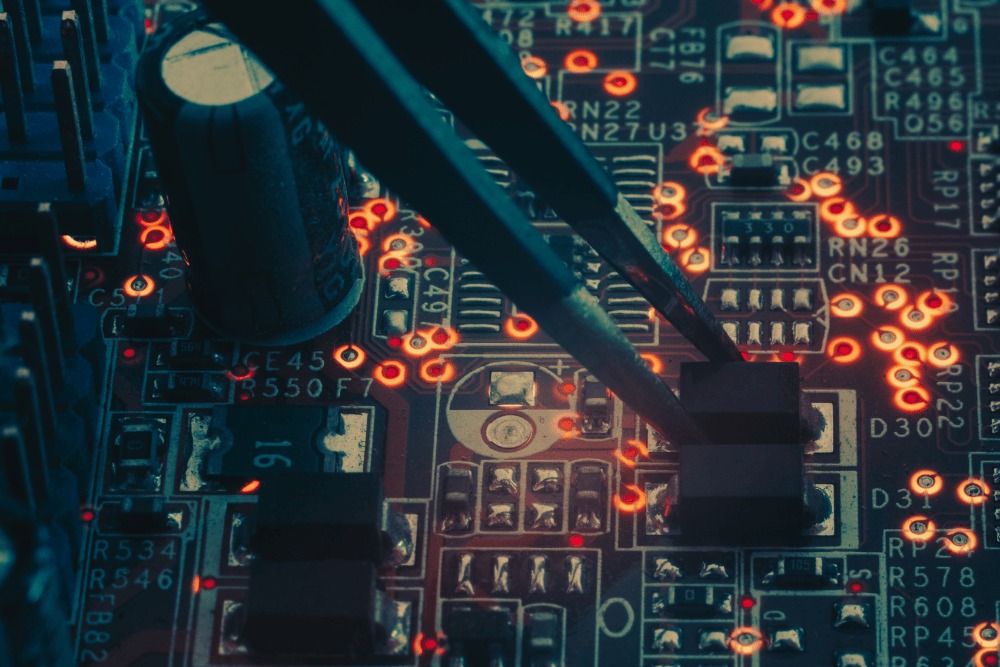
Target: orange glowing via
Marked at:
973, 491
710, 124
829, 6
706, 159
891, 297
985, 657
582, 11
942, 355
679, 236
788, 15
364, 245
670, 211
991, 630
562, 109
624, 457
884, 226
887, 338
521, 327
910, 353
963, 541
915, 319
390, 373
435, 370
580, 61
825, 184
835, 209
162, 237
79, 244
745, 640
934, 303
844, 350
926, 482
903, 377
632, 499
139, 285
696, 260
534, 67
349, 356
800, 190
918, 528
250, 486
912, 399
850, 227
845, 305
655, 363
620, 83
151, 217
382, 209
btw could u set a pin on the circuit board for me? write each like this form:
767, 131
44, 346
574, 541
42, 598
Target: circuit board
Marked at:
824, 173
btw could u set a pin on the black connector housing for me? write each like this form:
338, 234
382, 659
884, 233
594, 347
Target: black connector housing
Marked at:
313, 608
316, 516
744, 403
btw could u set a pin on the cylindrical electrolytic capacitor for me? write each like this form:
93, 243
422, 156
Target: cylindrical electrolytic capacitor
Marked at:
255, 188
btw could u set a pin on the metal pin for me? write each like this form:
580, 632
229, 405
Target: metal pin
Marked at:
10, 84
100, 13
33, 13
15, 463
33, 351
51, 250
72, 44
35, 446
15, 9
40, 286
34, 356
69, 126
86, 18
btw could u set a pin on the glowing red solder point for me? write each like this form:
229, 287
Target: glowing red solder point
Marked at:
128, 353
87, 515
747, 603
788, 356
390, 372
566, 424
395, 342
568, 388
430, 261
576, 540
208, 583
957, 146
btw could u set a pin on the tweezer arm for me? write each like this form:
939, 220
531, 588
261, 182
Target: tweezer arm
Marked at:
344, 72
480, 79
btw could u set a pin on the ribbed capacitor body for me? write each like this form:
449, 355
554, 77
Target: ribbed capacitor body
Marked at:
255, 188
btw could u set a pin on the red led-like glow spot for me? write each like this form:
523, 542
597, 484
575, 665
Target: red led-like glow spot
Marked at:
566, 424
391, 372
128, 352
395, 342
576, 540
250, 486
430, 261
629, 497
87, 515
855, 587
747, 603
788, 356
568, 388
430, 644
392, 263
957, 146
208, 583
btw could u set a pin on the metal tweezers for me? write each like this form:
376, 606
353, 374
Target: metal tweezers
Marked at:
346, 61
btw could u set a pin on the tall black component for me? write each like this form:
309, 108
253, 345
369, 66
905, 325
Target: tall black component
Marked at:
255, 188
